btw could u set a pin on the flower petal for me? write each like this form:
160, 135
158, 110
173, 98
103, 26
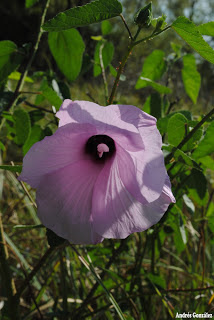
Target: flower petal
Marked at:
64, 147
116, 213
64, 201
104, 119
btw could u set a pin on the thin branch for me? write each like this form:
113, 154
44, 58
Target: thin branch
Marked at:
151, 36
103, 71
37, 107
29, 63
127, 27
189, 136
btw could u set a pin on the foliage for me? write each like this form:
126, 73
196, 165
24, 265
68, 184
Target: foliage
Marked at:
168, 268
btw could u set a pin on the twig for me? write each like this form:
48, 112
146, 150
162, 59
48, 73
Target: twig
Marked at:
127, 27
29, 63
37, 107
38, 266
103, 71
189, 136
12, 304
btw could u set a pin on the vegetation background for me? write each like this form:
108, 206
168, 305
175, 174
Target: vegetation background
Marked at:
151, 275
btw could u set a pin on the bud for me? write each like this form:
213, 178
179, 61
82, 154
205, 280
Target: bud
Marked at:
159, 23
143, 17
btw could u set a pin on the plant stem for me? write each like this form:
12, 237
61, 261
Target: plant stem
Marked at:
126, 56
103, 71
12, 305
38, 266
189, 136
127, 27
119, 72
29, 63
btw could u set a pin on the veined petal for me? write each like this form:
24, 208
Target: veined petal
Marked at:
116, 213
64, 147
64, 200
104, 119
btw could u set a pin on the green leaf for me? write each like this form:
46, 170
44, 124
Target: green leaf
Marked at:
93, 12
191, 77
67, 48
9, 58
206, 146
106, 27
2, 147
182, 157
52, 97
158, 87
107, 51
35, 136
30, 3
208, 162
22, 126
188, 31
153, 68
15, 75
158, 280
12, 168
197, 186
207, 29
176, 129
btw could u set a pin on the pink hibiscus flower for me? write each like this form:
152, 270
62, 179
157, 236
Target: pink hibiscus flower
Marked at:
101, 174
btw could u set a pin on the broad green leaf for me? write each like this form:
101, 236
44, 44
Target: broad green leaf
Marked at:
22, 126
95, 11
105, 49
35, 136
16, 168
208, 162
15, 75
188, 31
176, 129
191, 77
30, 3
2, 147
9, 58
158, 87
193, 141
67, 48
106, 27
206, 146
197, 186
153, 68
162, 123
52, 97
182, 157
207, 29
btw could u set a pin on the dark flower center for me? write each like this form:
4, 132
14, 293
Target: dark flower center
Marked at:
100, 146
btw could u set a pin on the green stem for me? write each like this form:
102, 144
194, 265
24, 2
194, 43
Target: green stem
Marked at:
12, 305
38, 266
103, 72
119, 72
28, 65
126, 56
189, 136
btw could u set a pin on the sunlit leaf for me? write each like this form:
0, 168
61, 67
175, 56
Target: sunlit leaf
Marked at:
158, 87
176, 128
67, 48
153, 68
191, 77
206, 146
207, 29
95, 11
188, 31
